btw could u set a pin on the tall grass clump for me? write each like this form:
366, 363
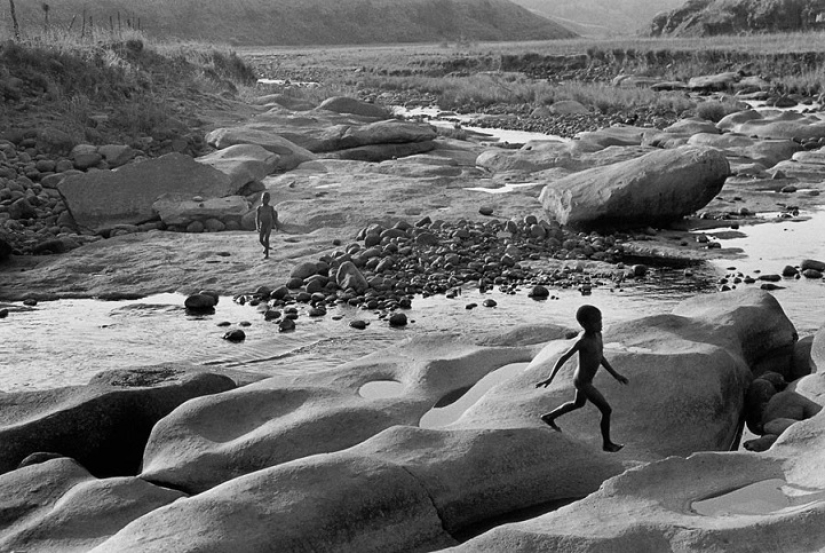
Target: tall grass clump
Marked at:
136, 82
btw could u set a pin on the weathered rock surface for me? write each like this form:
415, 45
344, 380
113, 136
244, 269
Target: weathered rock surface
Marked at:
741, 149
536, 157
698, 361
348, 136
106, 198
343, 104
776, 125
88, 423
58, 506
659, 186
177, 211
427, 484
424, 484
280, 419
289, 154
381, 152
620, 135
654, 508
244, 163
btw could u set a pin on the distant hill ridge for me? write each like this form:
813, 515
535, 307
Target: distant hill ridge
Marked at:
601, 17
718, 17
302, 22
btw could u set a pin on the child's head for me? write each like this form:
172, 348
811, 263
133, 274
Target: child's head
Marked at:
589, 317
265, 198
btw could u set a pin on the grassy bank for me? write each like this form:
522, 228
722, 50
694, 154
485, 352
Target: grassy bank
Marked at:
483, 74
108, 86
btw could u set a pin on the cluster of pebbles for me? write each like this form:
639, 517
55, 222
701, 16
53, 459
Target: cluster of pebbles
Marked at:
386, 268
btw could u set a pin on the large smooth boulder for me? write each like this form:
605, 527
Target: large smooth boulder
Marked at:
406, 489
743, 149
103, 427
198, 447
618, 135
290, 155
528, 159
776, 124
244, 163
691, 126
57, 505
694, 366
390, 131
126, 195
381, 152
285, 418
344, 104
657, 187
718, 81
763, 330
651, 510
303, 135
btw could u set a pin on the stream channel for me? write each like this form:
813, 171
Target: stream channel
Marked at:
66, 342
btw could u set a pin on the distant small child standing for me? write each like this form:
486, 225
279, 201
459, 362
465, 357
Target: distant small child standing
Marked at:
591, 356
265, 219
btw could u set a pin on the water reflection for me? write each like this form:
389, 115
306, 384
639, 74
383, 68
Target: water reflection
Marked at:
381, 389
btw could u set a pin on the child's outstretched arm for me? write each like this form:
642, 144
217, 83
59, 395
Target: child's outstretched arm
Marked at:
612, 371
561, 361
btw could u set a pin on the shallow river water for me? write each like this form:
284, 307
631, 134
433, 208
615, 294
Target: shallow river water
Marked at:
66, 342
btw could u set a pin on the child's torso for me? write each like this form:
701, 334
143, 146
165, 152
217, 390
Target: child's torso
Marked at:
590, 358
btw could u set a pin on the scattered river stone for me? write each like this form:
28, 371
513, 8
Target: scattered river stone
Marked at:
236, 335
200, 302
539, 292
398, 319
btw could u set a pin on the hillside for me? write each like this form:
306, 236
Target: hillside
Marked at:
298, 22
719, 17
600, 18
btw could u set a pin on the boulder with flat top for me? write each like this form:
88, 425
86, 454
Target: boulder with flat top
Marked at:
126, 195
658, 187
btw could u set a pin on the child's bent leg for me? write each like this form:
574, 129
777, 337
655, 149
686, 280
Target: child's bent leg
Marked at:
598, 400
550, 418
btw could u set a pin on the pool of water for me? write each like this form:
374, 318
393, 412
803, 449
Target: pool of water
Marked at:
66, 342
760, 498
438, 118
381, 389
766, 248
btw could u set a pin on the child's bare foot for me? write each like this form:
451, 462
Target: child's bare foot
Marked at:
612, 448
551, 423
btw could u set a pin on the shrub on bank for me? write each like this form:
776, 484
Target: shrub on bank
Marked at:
132, 84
